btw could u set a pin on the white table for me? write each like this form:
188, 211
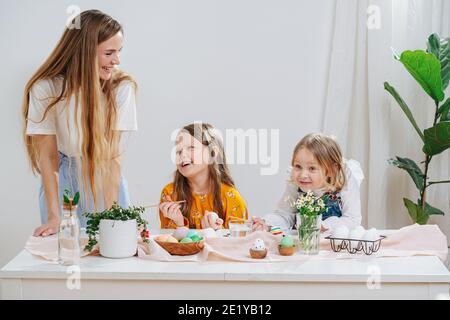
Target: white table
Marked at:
420, 277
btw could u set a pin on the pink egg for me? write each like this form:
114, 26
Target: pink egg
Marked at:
180, 233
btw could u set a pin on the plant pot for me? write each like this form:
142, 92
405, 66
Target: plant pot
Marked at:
117, 239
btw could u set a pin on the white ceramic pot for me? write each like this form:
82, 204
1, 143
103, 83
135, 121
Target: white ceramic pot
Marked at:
117, 239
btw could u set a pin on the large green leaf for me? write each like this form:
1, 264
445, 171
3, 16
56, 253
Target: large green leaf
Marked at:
412, 168
437, 138
440, 48
417, 214
404, 107
426, 69
444, 110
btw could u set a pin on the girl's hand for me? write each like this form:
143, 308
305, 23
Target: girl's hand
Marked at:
47, 229
323, 229
259, 224
211, 220
172, 211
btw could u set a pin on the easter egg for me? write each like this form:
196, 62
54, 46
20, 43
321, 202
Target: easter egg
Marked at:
191, 233
259, 245
196, 238
287, 242
171, 239
213, 217
341, 232
180, 233
356, 234
186, 240
162, 237
371, 235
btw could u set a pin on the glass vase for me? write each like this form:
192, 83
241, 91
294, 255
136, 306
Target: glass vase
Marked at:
69, 250
309, 233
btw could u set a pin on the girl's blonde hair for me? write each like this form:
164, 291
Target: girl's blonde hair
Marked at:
218, 169
328, 153
75, 61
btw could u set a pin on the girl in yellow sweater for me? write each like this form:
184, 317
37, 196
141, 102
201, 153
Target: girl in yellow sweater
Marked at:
202, 180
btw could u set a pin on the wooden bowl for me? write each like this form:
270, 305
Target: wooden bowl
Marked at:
258, 254
182, 249
286, 251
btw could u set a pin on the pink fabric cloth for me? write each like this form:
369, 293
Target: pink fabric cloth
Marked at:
408, 241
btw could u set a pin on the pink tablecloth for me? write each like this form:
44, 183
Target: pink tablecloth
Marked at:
408, 241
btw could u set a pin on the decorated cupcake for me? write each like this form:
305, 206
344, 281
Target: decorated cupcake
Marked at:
286, 246
258, 249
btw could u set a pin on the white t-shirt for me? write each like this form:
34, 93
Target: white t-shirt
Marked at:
60, 120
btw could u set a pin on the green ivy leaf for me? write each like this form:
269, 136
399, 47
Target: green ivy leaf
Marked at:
431, 210
404, 107
426, 69
440, 48
412, 168
437, 138
417, 214
444, 111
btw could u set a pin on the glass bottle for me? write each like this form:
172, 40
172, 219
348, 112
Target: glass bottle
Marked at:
69, 251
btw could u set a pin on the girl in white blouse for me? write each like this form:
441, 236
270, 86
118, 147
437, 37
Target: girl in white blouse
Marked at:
318, 166
75, 107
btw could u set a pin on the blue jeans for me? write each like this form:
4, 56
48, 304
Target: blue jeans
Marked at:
68, 179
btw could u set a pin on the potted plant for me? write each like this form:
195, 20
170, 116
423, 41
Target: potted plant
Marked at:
116, 230
431, 69
310, 209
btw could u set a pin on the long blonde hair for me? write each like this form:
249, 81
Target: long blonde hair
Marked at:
218, 170
74, 59
328, 154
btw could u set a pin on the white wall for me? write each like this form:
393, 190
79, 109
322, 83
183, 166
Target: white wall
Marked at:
257, 64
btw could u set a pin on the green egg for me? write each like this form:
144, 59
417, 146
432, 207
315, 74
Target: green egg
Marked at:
287, 242
196, 238
191, 233
186, 240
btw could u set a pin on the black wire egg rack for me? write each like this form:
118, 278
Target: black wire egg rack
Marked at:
355, 245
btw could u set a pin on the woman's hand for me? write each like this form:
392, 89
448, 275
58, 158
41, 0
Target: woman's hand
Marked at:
211, 220
47, 229
259, 224
323, 229
172, 211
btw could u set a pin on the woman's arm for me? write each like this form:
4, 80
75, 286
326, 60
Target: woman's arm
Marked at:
48, 162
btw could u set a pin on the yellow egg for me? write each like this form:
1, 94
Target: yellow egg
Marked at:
162, 237
171, 239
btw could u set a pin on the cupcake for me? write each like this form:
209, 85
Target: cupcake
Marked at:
258, 249
286, 246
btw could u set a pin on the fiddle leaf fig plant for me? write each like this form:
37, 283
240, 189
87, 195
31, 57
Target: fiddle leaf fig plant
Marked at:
431, 69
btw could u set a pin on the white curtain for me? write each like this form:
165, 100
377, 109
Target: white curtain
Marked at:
367, 121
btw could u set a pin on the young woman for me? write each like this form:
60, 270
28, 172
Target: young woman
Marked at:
75, 107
